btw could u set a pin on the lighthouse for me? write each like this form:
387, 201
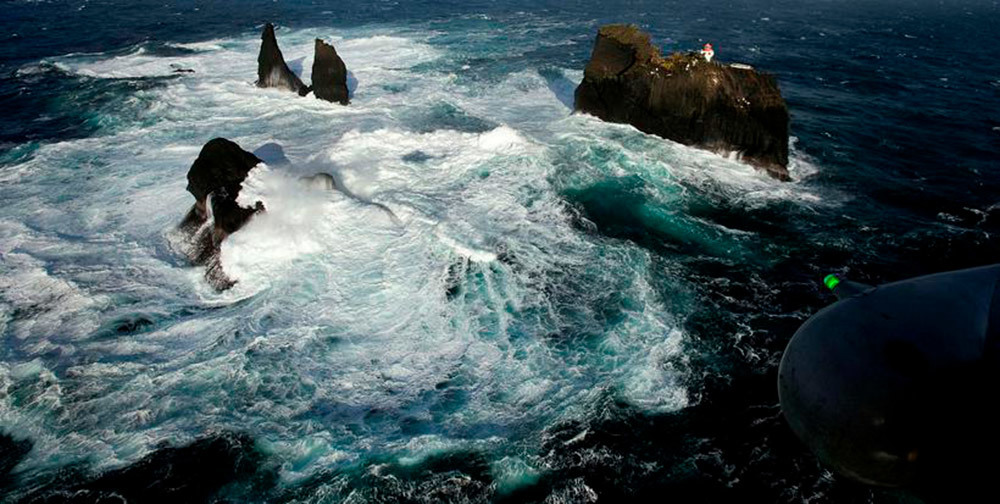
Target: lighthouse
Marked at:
708, 52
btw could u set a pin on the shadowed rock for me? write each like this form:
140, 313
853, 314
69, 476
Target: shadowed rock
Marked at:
272, 71
12, 451
273, 154
191, 473
686, 99
220, 168
329, 74
215, 180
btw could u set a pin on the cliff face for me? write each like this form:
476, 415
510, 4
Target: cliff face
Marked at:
686, 99
272, 71
329, 74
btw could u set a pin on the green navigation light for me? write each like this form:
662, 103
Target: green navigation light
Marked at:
831, 281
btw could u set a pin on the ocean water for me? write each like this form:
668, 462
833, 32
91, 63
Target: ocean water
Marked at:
556, 309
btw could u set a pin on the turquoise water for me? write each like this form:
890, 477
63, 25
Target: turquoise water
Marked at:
562, 308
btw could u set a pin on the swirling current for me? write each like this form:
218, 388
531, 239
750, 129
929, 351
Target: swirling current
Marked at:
560, 309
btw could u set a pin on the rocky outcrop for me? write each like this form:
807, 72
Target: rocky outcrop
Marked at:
215, 180
12, 451
329, 74
686, 99
272, 71
196, 472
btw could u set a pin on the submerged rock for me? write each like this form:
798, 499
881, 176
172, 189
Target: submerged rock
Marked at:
215, 180
327, 182
272, 71
191, 473
329, 74
323, 181
686, 99
12, 451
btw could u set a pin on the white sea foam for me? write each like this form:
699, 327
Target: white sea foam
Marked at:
138, 63
475, 285
674, 164
45, 312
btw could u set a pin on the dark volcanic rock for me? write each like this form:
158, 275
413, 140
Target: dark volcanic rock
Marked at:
11, 452
215, 179
329, 74
686, 99
271, 68
192, 473
221, 166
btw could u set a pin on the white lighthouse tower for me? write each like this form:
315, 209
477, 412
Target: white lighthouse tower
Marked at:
708, 52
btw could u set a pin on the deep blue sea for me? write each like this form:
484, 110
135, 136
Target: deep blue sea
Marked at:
563, 310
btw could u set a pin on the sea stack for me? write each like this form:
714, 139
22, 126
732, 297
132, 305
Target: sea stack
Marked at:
329, 74
684, 98
271, 68
215, 180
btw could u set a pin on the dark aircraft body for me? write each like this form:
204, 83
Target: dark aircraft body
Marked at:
896, 385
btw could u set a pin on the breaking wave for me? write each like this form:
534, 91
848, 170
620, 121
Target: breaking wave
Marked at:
468, 284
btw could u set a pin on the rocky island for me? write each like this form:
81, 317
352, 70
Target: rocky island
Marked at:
684, 98
272, 71
215, 180
329, 73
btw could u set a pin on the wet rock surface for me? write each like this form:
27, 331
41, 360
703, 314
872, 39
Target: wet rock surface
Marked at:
686, 99
272, 71
215, 180
329, 75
